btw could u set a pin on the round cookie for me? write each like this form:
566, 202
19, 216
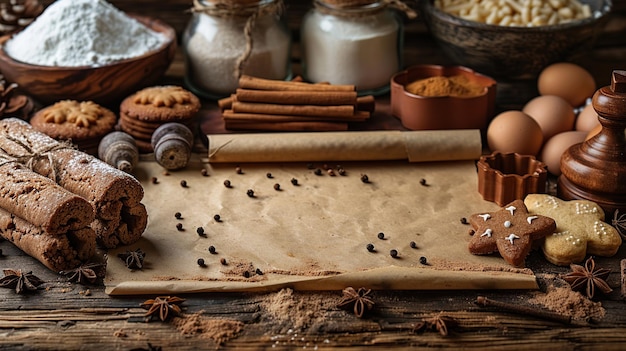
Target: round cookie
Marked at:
84, 123
143, 112
162, 104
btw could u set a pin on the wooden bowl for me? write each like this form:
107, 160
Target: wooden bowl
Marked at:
513, 52
103, 84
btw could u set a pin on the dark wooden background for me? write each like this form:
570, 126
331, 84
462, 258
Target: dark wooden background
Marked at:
71, 316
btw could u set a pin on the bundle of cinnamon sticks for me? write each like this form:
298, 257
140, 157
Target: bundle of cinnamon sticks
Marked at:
276, 105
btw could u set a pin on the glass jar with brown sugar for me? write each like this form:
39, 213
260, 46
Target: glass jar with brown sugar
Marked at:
227, 38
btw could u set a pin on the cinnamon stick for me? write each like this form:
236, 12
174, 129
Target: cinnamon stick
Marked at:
293, 110
298, 97
226, 103
366, 103
287, 126
248, 82
260, 117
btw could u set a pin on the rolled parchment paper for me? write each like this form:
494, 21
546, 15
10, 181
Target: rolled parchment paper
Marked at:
414, 146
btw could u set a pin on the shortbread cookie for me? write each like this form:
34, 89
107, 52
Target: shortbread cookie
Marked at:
84, 123
509, 231
580, 230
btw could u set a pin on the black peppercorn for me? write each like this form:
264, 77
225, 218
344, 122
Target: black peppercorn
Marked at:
423, 260
310, 166
212, 249
269, 175
370, 247
250, 193
204, 172
201, 262
258, 271
183, 183
217, 218
277, 186
423, 182
155, 180
179, 226
200, 231
393, 253
238, 170
463, 220
246, 274
341, 171
330, 172
413, 245
318, 171
227, 183
365, 178
178, 215
223, 261
381, 235
294, 181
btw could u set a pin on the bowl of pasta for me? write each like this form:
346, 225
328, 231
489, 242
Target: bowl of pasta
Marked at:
514, 38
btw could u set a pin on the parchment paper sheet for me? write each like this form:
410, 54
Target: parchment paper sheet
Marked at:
312, 236
415, 146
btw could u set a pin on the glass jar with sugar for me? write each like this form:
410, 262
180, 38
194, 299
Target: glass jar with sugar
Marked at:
227, 38
354, 42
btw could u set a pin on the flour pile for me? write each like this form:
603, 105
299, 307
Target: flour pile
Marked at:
71, 33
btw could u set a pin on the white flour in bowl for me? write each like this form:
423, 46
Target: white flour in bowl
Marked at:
72, 33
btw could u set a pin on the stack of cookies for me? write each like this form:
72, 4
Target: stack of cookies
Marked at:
146, 110
83, 123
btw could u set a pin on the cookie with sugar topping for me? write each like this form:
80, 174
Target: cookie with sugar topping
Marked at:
509, 231
580, 229
164, 103
85, 123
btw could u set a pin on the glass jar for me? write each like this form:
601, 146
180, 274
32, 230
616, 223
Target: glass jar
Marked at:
225, 39
355, 45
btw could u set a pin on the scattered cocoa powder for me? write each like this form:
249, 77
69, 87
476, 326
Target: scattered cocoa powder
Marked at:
218, 330
297, 311
458, 85
570, 303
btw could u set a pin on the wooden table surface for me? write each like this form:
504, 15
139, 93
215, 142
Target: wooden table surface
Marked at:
72, 316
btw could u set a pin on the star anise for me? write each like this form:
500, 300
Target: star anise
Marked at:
165, 306
619, 222
84, 274
21, 282
357, 300
133, 259
438, 322
588, 277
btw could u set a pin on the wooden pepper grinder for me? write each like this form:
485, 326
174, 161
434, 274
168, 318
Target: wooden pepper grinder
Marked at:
595, 170
119, 150
172, 143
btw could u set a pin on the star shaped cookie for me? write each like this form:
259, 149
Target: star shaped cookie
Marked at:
580, 230
509, 231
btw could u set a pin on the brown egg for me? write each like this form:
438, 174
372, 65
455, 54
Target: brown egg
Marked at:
554, 148
514, 131
593, 132
553, 114
567, 80
587, 119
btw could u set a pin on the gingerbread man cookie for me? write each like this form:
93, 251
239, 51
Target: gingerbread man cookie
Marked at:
580, 231
509, 231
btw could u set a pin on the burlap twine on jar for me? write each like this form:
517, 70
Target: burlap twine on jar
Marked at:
332, 6
250, 9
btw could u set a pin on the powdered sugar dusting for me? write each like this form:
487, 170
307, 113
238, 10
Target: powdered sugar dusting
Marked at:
72, 33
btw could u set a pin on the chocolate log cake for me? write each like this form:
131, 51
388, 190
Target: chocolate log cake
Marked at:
43, 219
116, 196
57, 252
